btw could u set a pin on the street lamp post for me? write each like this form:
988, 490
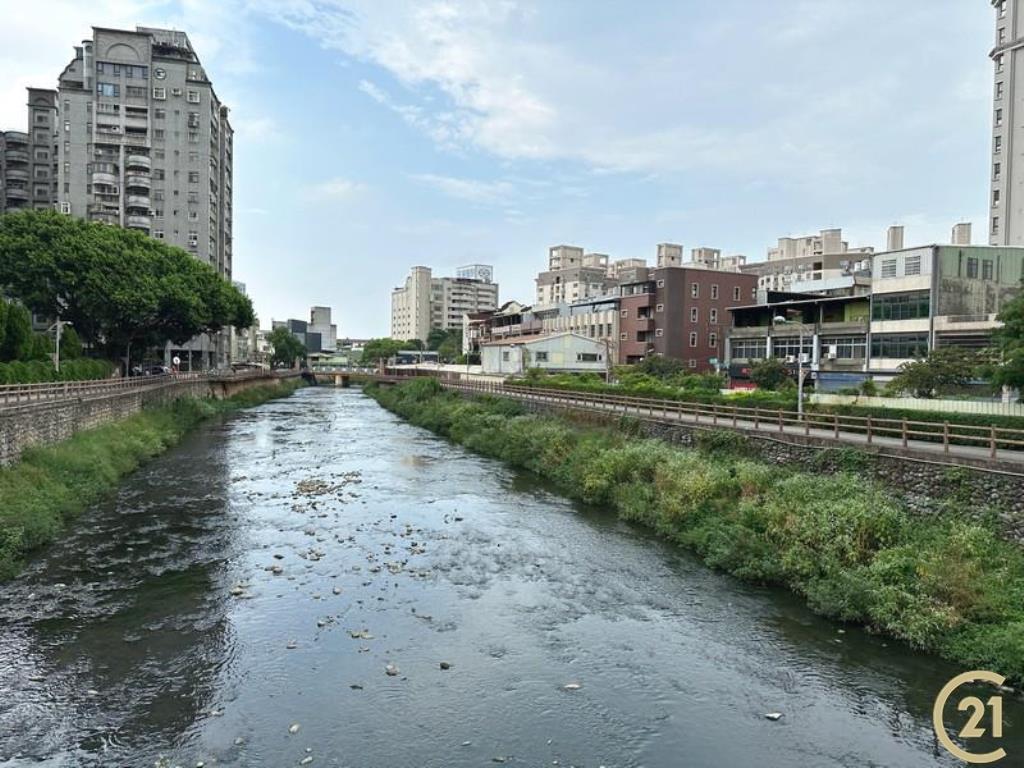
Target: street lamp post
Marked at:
780, 320
58, 329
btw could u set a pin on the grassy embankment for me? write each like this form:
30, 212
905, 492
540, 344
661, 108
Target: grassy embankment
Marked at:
848, 546
51, 484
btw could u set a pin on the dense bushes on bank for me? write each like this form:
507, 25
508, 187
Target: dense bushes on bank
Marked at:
36, 371
851, 549
687, 388
51, 484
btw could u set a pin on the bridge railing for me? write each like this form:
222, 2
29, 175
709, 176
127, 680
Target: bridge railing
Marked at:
872, 429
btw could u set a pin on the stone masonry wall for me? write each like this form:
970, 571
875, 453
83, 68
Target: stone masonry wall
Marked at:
45, 423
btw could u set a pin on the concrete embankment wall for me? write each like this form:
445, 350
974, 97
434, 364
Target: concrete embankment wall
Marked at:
48, 422
926, 487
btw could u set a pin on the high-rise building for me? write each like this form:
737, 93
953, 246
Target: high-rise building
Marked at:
1006, 221
320, 323
573, 275
144, 142
425, 302
28, 161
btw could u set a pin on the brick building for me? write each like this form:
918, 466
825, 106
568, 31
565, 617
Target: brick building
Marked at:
681, 313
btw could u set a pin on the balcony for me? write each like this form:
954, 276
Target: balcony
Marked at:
137, 222
137, 180
17, 173
643, 324
137, 201
16, 155
957, 322
14, 193
102, 177
140, 162
845, 326
138, 141
16, 137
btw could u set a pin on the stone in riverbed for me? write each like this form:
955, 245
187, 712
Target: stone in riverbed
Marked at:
445, 665
773, 716
294, 728
390, 670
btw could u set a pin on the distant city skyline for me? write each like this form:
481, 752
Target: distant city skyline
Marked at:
372, 137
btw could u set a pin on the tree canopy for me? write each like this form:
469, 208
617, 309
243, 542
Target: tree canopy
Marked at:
287, 348
381, 349
944, 371
770, 373
1010, 343
117, 286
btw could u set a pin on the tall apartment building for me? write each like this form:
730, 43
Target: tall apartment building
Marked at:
144, 142
1006, 221
573, 275
813, 263
712, 258
426, 302
320, 323
28, 160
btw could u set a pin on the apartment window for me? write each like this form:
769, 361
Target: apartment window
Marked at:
193, 215
159, 133
540, 357
623, 337
713, 317
999, 89
193, 96
749, 349
995, 225
193, 137
193, 157
160, 93
714, 291
505, 356
159, 114
888, 267
972, 268
912, 265
158, 234
693, 314
695, 290
901, 306
659, 307
108, 89
624, 313
175, 91
713, 340
899, 345
659, 331
1002, 34
691, 363
661, 283
845, 347
158, 174
999, 117
587, 357
135, 91
158, 194
986, 269
193, 197
995, 198
193, 177
791, 347
1002, 9
736, 293
693, 339
997, 170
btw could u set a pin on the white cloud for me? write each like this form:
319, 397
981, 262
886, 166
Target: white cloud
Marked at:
334, 189
468, 189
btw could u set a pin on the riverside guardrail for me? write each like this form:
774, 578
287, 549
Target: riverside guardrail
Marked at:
995, 442
23, 394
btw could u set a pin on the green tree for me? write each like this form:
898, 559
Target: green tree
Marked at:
436, 338
120, 288
769, 374
660, 367
944, 371
381, 349
287, 348
16, 343
1009, 341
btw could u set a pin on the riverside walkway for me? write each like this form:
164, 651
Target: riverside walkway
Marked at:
990, 448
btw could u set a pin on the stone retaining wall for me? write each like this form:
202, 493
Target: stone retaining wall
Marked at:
926, 487
45, 423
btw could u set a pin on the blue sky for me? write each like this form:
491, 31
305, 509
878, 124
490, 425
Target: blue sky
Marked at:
375, 135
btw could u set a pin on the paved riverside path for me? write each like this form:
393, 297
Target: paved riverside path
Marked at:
1008, 461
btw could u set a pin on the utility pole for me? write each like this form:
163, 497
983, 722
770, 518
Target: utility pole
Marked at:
58, 329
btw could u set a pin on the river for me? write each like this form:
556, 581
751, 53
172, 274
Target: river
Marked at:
238, 601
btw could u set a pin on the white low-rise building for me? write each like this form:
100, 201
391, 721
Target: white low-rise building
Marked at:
568, 352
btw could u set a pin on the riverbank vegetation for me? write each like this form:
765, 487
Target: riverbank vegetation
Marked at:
52, 484
848, 546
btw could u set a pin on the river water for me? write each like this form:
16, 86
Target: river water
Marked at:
158, 632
